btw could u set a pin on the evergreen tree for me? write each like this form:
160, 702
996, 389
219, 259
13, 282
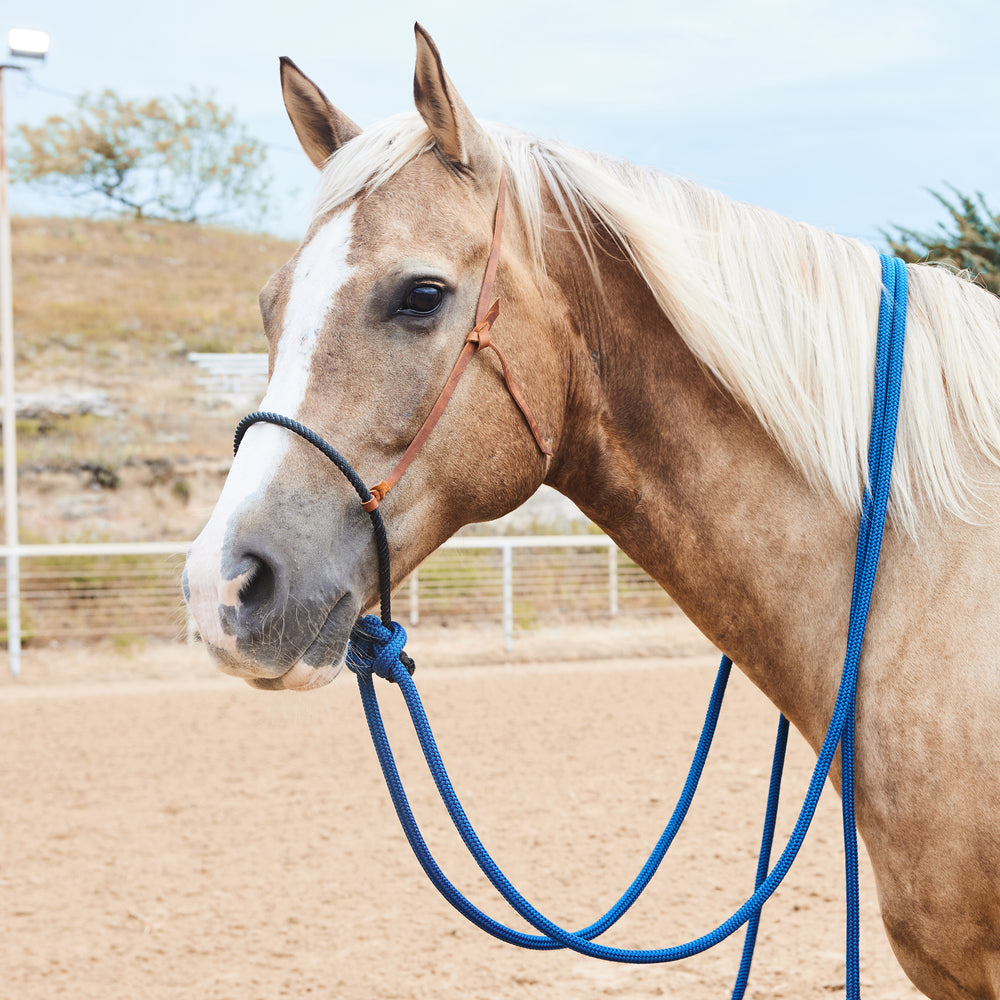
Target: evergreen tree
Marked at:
970, 241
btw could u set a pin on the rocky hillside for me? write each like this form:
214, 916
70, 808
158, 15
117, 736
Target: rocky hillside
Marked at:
117, 437
117, 440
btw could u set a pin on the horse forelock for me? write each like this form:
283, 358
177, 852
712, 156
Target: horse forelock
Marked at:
782, 313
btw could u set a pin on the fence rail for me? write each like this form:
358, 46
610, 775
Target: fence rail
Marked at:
235, 373
126, 591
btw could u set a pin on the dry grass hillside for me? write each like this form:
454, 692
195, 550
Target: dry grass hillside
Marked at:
142, 294
116, 306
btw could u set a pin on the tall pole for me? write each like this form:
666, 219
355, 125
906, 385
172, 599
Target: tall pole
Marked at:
11, 534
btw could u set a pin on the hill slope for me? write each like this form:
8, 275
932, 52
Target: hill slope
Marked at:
116, 306
103, 293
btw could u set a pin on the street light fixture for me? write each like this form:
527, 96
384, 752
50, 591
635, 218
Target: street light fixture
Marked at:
27, 43
24, 43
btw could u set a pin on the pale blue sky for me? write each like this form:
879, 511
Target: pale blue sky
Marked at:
838, 113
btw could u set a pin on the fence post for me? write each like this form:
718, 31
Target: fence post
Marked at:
612, 579
508, 597
414, 598
11, 534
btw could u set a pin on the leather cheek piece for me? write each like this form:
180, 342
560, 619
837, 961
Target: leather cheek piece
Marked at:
478, 339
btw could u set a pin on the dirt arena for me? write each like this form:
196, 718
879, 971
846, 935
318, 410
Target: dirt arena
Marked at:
167, 832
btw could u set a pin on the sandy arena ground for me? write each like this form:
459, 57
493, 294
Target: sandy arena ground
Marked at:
170, 833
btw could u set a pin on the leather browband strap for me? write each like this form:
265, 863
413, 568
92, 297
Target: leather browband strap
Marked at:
477, 340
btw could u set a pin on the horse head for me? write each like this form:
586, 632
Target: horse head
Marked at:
363, 326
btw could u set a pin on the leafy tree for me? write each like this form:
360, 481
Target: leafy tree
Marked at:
179, 158
971, 241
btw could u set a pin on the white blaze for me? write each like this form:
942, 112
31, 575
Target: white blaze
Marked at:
320, 272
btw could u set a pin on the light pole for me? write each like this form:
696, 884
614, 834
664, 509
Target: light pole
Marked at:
24, 44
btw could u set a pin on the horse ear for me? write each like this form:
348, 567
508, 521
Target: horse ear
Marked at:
455, 130
321, 128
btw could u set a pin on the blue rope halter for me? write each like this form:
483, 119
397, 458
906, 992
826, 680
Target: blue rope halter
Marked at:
376, 647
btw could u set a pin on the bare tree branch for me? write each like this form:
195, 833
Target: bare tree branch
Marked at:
179, 158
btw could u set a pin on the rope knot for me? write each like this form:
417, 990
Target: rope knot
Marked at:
376, 649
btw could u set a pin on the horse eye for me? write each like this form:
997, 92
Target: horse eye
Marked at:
422, 300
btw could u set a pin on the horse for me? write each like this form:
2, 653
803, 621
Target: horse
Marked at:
700, 372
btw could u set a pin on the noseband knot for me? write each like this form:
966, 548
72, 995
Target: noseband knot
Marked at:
376, 649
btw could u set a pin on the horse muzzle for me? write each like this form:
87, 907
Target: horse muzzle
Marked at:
275, 629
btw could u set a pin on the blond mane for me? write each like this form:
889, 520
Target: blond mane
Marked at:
782, 313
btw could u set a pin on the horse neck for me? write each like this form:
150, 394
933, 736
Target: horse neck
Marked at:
690, 486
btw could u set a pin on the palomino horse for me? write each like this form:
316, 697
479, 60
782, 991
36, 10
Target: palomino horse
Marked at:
701, 373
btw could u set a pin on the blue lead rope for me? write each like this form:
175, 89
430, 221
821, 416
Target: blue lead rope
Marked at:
376, 648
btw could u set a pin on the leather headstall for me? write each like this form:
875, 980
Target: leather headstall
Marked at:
478, 339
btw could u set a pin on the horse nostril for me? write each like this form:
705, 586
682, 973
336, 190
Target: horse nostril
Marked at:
258, 587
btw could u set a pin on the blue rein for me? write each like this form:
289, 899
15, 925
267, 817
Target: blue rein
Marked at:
376, 647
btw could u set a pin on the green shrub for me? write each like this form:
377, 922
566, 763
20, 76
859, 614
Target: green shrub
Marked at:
970, 241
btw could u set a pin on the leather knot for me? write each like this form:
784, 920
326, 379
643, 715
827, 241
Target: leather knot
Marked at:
480, 336
378, 492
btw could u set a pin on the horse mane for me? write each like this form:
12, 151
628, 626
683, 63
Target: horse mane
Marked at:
783, 314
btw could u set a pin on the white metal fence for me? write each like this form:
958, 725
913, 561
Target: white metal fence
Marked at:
125, 591
231, 373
